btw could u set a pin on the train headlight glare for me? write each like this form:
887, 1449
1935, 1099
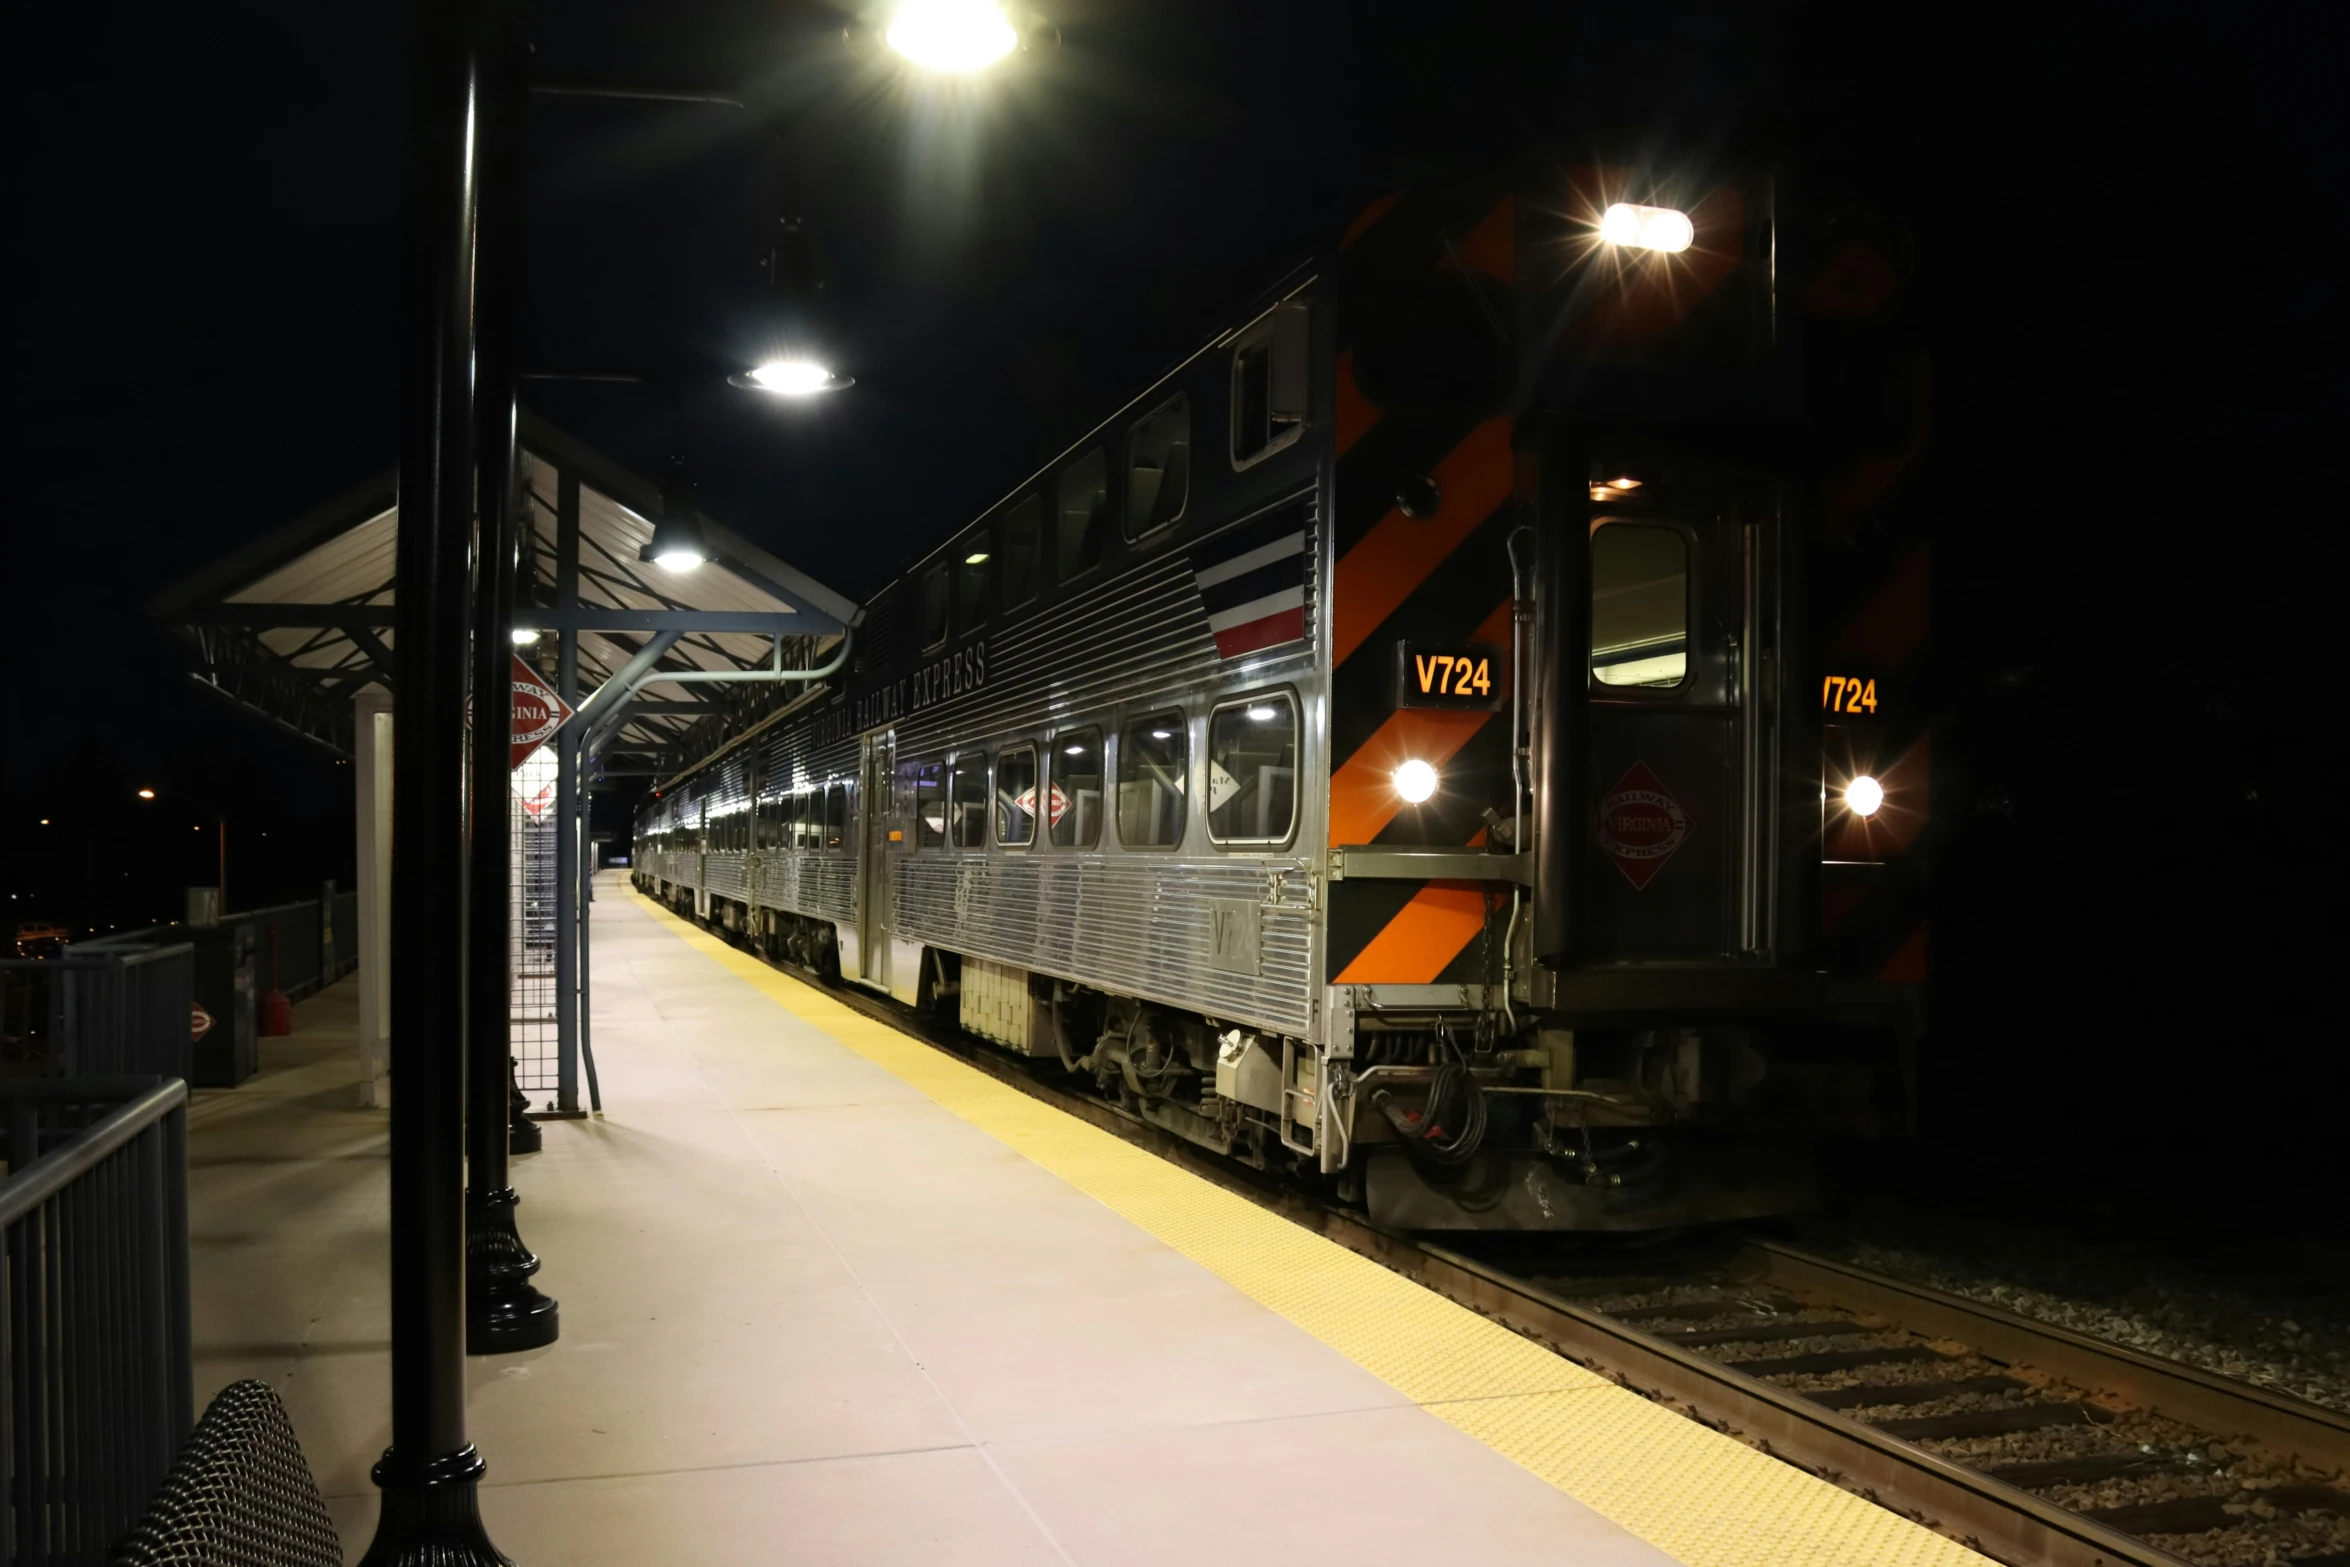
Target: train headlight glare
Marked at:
1647, 228
952, 35
1416, 781
1863, 795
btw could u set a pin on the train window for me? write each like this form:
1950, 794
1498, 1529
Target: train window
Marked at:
1158, 467
1269, 376
1023, 541
934, 606
1084, 504
1073, 803
1153, 758
1252, 769
930, 806
1015, 797
836, 815
967, 802
974, 565
810, 814
1639, 605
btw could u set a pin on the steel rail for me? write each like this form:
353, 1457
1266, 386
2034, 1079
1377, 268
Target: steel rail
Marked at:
2281, 1425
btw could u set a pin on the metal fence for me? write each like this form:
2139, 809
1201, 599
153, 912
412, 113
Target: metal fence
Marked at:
317, 941
98, 1013
531, 944
95, 1371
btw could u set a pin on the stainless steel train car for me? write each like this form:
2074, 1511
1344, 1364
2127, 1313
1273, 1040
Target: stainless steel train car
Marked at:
1456, 736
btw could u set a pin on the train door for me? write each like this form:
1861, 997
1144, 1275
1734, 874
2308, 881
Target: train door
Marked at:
1679, 769
873, 859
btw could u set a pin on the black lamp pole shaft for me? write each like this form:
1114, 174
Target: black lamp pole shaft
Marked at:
503, 1312
429, 1476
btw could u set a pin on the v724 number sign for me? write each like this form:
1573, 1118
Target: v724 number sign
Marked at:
1468, 675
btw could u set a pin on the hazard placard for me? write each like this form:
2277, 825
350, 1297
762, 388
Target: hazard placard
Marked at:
1640, 825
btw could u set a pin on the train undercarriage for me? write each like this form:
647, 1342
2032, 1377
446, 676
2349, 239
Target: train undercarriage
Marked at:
1436, 1121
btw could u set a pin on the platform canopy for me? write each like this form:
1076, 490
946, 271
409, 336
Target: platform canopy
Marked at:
296, 624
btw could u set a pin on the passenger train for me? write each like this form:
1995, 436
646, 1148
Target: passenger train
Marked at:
1459, 736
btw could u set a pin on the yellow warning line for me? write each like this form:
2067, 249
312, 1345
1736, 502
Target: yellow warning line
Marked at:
1692, 1492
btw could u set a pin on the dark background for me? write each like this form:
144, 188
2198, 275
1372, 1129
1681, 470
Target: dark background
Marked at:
2130, 231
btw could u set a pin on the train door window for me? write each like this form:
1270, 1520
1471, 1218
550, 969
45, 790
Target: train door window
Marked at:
1639, 605
1023, 550
934, 606
1270, 365
836, 815
967, 802
974, 566
1252, 769
1015, 797
1073, 802
930, 806
1153, 758
1083, 500
809, 817
1158, 468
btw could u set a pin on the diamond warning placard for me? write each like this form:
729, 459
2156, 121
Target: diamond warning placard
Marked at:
1640, 825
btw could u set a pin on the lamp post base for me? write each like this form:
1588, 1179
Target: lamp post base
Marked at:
522, 1133
431, 1514
504, 1312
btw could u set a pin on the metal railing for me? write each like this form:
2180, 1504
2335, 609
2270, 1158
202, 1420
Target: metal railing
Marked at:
96, 1376
103, 1013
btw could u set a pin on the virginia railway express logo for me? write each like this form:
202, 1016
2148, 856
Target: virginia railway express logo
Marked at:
1640, 825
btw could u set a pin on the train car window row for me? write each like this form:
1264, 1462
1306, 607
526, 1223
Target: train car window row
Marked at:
1015, 797
1153, 769
1252, 770
1158, 468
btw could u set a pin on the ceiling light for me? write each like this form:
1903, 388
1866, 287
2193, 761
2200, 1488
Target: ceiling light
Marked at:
1162, 734
1647, 228
794, 377
523, 636
1625, 484
1263, 715
1067, 750
975, 558
677, 538
951, 35
146, 794
1416, 781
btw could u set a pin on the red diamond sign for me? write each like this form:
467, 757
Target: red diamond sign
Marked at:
1640, 825
538, 712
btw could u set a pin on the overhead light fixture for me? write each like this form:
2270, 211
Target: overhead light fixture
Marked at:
957, 36
792, 377
1663, 229
975, 558
1162, 734
1067, 750
1263, 715
1863, 796
1416, 781
523, 636
677, 538
146, 794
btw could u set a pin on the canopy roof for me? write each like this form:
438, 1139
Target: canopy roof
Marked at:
297, 623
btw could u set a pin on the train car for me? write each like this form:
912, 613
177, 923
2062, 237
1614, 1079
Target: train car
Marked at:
1456, 736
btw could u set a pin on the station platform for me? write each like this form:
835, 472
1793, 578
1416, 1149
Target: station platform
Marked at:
831, 1296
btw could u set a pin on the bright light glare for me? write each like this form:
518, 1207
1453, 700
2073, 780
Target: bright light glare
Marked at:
975, 558
951, 35
792, 377
523, 636
1646, 228
1263, 715
1162, 734
1863, 795
1625, 484
146, 794
678, 560
1416, 781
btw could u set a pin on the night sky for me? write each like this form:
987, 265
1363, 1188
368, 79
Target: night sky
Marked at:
2131, 238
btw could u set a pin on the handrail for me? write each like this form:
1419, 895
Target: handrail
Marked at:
45, 1177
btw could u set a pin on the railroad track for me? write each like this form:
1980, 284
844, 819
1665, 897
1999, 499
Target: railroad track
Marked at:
2026, 1441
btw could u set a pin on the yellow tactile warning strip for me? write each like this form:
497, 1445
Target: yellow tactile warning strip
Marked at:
1690, 1491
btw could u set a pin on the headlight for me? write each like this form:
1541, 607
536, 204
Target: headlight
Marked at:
1647, 228
1863, 795
1416, 781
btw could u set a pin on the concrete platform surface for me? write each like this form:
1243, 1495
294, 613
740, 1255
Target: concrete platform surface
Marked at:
819, 1309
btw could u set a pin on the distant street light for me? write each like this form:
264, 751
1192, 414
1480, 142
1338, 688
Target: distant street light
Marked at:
792, 378
958, 36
